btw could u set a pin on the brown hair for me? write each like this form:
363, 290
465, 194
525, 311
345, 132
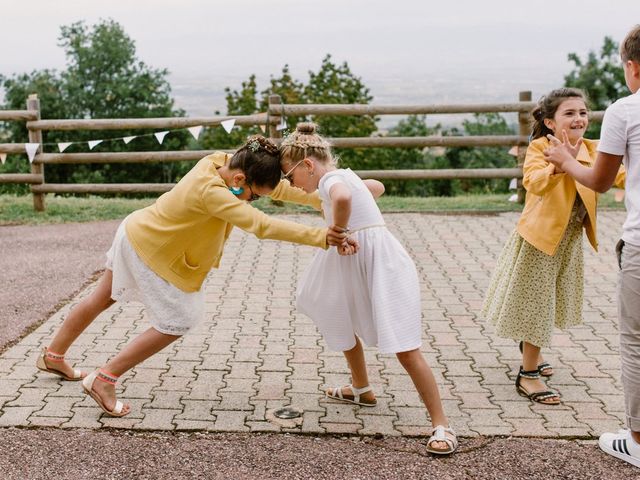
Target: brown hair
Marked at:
304, 143
547, 107
259, 160
630, 46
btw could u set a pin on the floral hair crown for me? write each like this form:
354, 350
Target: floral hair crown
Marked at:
254, 145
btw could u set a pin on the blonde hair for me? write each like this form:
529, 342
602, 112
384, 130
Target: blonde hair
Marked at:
304, 143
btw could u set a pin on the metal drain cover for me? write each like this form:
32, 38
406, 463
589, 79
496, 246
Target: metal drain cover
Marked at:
288, 413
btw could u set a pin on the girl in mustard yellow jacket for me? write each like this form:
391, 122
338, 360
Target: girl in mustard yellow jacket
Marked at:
539, 277
161, 256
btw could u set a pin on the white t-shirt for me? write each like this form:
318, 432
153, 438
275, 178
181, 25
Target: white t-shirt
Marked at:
620, 135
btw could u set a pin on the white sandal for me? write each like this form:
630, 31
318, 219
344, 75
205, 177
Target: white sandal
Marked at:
87, 385
621, 445
41, 364
336, 394
439, 435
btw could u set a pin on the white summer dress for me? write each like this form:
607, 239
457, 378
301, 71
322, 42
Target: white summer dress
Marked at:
374, 293
171, 311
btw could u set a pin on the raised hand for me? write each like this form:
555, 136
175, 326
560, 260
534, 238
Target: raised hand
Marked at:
560, 152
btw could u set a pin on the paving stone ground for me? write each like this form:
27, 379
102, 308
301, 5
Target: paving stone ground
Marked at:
254, 353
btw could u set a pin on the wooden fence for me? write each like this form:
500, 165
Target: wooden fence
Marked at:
271, 119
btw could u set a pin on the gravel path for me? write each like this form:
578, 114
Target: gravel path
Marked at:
43, 266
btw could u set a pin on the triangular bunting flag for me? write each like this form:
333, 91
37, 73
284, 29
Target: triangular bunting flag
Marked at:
93, 143
128, 139
3, 158
263, 128
195, 131
160, 136
228, 124
283, 124
63, 146
31, 149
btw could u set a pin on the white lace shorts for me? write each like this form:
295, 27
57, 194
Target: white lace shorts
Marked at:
171, 310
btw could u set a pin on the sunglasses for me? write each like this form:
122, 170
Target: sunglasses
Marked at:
289, 174
254, 196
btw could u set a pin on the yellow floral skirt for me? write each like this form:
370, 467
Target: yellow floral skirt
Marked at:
530, 292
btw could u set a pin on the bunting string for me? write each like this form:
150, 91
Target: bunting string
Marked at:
32, 148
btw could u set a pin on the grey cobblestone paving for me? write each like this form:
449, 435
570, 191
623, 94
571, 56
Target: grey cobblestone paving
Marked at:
254, 353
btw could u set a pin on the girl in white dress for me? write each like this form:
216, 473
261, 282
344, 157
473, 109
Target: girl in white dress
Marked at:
374, 294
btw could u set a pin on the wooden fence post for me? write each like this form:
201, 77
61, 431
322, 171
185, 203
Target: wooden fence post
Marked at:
35, 136
273, 126
524, 130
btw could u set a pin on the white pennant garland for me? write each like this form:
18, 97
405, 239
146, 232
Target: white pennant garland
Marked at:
263, 128
195, 131
160, 136
93, 143
228, 124
3, 158
31, 149
62, 146
283, 124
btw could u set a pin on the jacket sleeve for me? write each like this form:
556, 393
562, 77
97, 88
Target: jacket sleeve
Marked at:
222, 204
621, 178
538, 175
286, 192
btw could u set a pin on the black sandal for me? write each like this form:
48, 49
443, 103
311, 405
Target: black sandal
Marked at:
538, 397
542, 367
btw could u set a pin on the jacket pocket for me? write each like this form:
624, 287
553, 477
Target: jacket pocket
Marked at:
180, 266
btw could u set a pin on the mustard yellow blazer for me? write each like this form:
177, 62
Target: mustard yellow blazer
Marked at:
181, 236
550, 198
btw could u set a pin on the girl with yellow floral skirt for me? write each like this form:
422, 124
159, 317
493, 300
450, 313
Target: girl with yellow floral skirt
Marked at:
539, 277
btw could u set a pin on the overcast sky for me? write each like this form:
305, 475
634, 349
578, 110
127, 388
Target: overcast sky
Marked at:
388, 43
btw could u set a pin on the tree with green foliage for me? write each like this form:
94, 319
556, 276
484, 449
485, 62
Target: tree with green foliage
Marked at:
471, 157
601, 76
103, 79
406, 158
330, 84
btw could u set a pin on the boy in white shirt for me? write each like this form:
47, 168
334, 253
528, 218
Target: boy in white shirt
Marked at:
620, 141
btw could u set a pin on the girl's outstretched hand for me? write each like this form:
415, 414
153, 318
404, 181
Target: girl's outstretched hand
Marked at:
350, 247
336, 236
560, 152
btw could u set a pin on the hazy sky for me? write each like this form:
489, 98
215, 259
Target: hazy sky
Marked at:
394, 44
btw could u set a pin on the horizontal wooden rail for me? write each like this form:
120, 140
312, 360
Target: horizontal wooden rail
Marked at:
103, 187
444, 174
124, 157
345, 142
135, 123
19, 115
431, 141
365, 109
477, 173
21, 178
12, 148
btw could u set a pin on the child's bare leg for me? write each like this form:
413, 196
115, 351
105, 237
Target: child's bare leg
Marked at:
138, 350
530, 361
418, 369
79, 318
358, 368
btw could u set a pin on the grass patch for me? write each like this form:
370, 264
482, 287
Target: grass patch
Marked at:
16, 210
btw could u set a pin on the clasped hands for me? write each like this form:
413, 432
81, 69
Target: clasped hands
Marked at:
339, 237
559, 152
